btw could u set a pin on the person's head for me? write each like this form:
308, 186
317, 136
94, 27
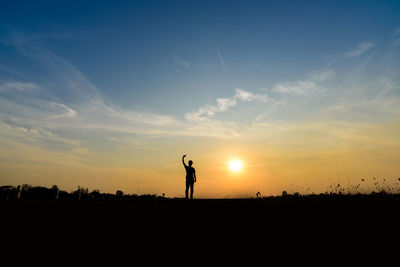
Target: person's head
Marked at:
190, 163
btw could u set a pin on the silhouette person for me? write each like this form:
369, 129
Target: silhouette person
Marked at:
190, 177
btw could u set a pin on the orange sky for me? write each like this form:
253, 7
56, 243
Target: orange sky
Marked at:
305, 158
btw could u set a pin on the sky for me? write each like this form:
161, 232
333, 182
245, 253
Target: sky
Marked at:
110, 94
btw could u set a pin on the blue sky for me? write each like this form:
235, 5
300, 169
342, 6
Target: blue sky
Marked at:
85, 78
195, 50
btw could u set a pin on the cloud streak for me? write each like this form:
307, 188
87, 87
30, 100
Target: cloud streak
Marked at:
180, 63
361, 49
18, 87
247, 96
224, 104
221, 60
308, 85
68, 112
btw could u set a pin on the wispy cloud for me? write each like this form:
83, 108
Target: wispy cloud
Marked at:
181, 63
249, 96
23, 145
298, 87
221, 60
39, 136
310, 84
19, 86
361, 49
335, 109
224, 104
67, 112
56, 107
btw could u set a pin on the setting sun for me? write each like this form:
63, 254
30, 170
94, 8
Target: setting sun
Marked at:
235, 165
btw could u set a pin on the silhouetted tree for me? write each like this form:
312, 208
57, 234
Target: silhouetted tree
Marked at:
95, 194
7, 192
81, 193
119, 194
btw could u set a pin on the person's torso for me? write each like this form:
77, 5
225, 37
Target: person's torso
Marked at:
189, 171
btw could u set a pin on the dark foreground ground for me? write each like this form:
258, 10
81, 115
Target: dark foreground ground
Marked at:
265, 226
325, 209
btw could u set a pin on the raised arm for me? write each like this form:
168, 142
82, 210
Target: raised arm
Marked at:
183, 160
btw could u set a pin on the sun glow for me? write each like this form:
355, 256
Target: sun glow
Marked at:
235, 165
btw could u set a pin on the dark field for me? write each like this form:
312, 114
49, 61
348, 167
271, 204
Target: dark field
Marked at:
261, 227
326, 208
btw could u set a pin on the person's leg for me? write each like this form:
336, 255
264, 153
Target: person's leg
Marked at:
191, 190
186, 190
